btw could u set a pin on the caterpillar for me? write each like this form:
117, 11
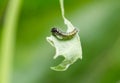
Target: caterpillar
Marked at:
63, 35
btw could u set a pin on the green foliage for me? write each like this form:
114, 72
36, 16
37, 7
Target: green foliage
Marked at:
70, 49
99, 25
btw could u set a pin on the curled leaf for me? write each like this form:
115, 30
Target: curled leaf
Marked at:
69, 49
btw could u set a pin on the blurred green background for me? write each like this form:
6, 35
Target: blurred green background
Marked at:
99, 24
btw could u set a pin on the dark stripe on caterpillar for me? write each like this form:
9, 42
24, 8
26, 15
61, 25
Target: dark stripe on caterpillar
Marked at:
63, 35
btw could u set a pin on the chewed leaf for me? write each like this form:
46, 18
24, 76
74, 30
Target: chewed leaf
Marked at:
70, 49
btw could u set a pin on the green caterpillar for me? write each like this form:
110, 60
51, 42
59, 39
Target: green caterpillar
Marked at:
63, 35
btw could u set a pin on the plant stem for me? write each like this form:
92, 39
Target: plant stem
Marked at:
8, 40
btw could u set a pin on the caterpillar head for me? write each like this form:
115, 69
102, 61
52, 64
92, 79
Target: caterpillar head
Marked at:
54, 31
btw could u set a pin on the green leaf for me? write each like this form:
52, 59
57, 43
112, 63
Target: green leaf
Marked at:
69, 49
